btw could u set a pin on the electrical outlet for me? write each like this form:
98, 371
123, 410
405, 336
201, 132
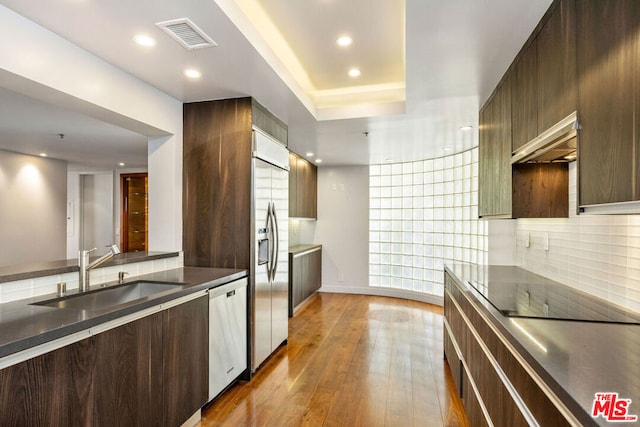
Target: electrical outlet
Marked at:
527, 239
340, 276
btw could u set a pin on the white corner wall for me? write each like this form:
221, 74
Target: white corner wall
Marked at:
343, 228
40, 64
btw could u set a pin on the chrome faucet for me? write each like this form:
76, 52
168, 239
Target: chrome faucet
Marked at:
86, 267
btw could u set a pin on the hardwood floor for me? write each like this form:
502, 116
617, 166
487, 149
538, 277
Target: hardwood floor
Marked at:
351, 360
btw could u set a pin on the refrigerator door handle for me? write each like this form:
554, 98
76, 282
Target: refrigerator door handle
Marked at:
276, 239
272, 244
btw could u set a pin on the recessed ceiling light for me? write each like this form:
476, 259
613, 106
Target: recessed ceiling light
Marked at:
144, 40
318, 160
43, 154
465, 128
354, 72
192, 73
120, 164
309, 154
344, 41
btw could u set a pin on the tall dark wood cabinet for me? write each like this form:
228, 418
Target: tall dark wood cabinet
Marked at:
186, 364
303, 188
608, 56
217, 180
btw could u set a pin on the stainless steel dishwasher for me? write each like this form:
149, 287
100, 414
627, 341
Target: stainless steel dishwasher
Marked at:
227, 334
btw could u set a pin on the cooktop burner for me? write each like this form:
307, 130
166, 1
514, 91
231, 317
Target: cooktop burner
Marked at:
557, 302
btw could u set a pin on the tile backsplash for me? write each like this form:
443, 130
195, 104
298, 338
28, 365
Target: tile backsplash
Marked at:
598, 254
20, 289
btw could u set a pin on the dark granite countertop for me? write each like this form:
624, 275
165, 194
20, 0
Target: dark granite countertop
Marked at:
30, 271
23, 325
576, 359
302, 248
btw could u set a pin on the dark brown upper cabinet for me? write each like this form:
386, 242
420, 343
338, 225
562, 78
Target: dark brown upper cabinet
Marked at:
544, 75
524, 96
494, 155
556, 66
608, 58
303, 188
541, 93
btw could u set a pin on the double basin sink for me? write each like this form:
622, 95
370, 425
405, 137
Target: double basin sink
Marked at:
110, 297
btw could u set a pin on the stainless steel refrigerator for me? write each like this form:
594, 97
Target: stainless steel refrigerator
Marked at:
270, 236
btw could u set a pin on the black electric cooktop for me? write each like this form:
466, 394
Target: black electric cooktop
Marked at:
551, 301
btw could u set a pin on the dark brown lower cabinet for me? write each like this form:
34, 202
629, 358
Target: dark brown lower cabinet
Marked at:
128, 374
186, 365
49, 390
149, 372
496, 389
305, 276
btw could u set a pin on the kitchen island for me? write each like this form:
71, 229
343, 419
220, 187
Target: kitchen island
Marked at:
522, 368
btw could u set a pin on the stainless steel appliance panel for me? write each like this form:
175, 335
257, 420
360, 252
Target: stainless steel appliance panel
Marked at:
280, 280
270, 275
262, 286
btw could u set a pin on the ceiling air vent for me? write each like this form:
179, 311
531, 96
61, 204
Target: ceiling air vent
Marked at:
187, 33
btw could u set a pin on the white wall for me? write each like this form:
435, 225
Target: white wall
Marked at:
40, 64
32, 209
343, 228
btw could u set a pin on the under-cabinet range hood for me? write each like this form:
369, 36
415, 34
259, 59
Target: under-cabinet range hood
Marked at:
556, 144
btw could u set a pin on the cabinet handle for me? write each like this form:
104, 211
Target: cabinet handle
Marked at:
231, 293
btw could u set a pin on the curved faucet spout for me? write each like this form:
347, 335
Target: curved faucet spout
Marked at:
86, 267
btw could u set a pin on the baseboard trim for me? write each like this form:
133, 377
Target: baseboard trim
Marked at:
385, 292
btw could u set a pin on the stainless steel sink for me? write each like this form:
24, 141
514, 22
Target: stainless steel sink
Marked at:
101, 299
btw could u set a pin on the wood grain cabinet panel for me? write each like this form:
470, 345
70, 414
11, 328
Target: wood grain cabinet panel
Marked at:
524, 94
128, 374
494, 153
185, 331
556, 66
607, 62
305, 276
303, 188
540, 190
49, 390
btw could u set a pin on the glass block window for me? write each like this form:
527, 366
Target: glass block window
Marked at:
422, 215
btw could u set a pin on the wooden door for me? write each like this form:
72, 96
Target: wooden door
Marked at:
134, 216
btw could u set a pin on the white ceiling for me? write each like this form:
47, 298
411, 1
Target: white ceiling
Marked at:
454, 53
